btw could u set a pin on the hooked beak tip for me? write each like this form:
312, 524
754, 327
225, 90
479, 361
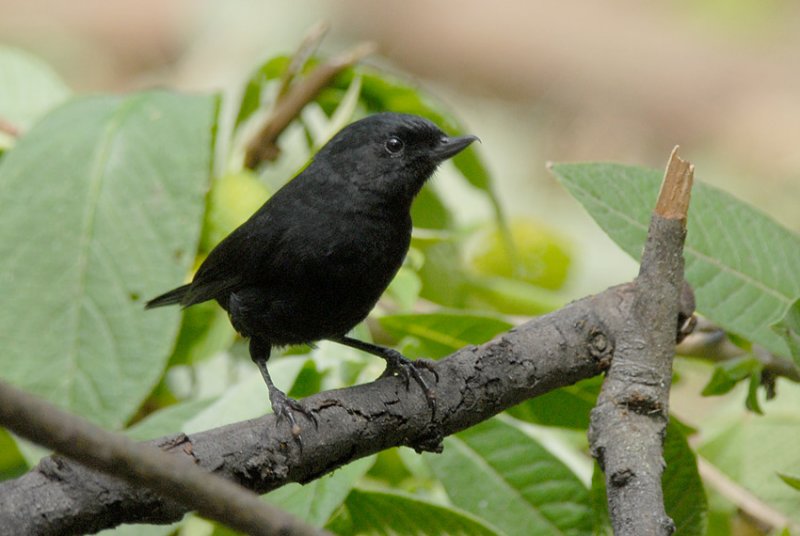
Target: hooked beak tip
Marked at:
449, 147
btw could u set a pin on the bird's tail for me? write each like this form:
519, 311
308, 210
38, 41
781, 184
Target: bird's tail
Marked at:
173, 297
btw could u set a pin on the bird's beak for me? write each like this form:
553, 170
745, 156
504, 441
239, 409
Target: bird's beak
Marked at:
449, 147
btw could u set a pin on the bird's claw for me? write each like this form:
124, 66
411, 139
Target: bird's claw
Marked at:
401, 366
283, 407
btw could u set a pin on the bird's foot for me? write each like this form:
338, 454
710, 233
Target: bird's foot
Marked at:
284, 408
399, 365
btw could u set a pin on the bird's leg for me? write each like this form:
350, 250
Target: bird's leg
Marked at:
398, 364
282, 405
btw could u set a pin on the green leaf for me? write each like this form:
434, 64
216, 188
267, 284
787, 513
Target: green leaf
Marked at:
510, 296
792, 481
684, 496
429, 212
752, 450
251, 101
600, 518
248, 398
789, 328
143, 530
505, 477
100, 208
308, 381
205, 330
12, 464
567, 407
728, 373
28, 88
751, 402
442, 275
167, 420
382, 513
741, 264
444, 333
404, 288
316, 501
392, 471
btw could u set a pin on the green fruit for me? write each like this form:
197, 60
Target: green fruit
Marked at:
537, 255
232, 199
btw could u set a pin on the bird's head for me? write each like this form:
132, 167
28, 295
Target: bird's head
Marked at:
390, 154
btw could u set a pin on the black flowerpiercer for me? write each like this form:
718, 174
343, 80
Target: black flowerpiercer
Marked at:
312, 262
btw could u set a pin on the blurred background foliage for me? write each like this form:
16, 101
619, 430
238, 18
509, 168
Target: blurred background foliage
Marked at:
497, 238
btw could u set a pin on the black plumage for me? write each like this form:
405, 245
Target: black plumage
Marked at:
312, 262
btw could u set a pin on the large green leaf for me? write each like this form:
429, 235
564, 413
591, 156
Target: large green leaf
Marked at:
316, 501
28, 88
567, 407
441, 334
248, 398
505, 477
100, 208
12, 463
684, 495
788, 327
394, 514
754, 450
742, 265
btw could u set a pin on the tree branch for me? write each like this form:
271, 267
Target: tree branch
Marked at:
142, 464
293, 98
629, 422
711, 343
475, 383
753, 507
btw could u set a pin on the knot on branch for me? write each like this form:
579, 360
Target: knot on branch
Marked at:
621, 477
642, 403
601, 348
178, 443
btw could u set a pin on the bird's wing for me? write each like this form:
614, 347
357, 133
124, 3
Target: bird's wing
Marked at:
215, 278
277, 238
244, 258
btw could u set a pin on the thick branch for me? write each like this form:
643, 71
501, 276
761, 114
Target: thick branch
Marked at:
142, 464
475, 383
629, 422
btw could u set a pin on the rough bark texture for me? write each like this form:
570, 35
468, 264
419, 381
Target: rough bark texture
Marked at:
629, 422
63, 497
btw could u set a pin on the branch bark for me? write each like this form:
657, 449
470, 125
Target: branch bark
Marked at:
475, 383
142, 464
629, 423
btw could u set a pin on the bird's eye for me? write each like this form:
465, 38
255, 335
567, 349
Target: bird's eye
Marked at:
394, 145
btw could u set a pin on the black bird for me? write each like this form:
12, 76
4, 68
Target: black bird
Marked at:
312, 262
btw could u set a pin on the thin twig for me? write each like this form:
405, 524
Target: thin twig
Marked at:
263, 146
711, 343
748, 503
175, 477
309, 45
